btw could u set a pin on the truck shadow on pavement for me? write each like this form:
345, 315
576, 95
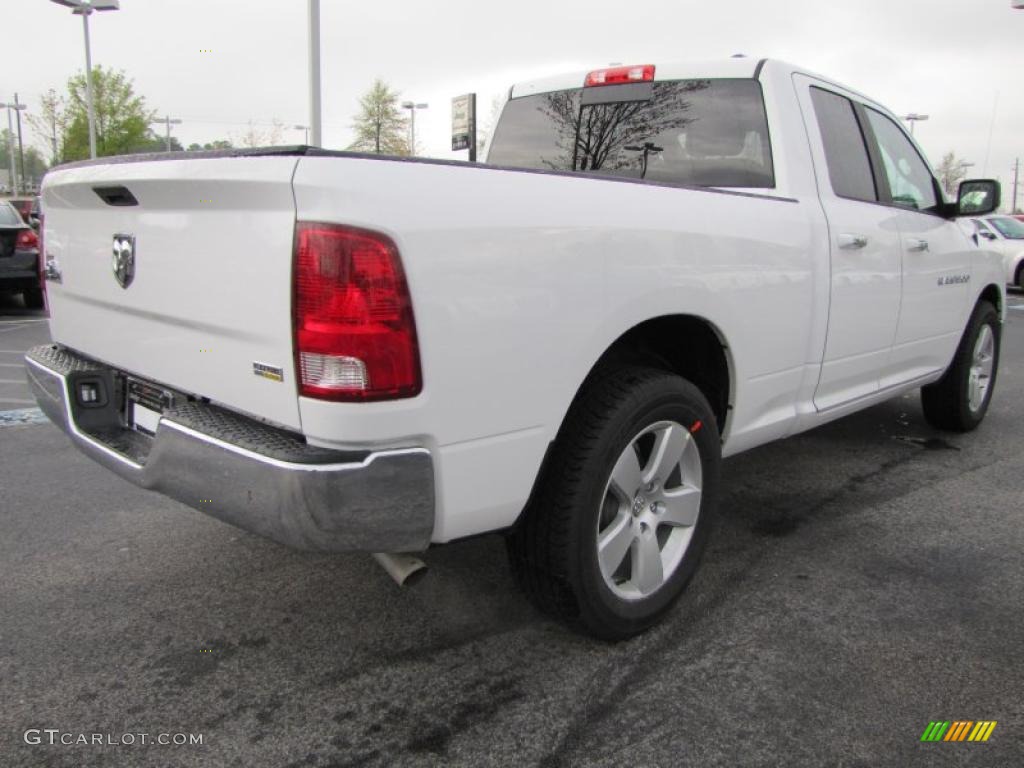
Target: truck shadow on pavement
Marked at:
289, 658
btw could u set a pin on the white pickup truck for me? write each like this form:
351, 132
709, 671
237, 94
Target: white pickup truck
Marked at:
657, 267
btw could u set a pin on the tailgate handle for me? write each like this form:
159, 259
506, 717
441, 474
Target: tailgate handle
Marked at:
115, 195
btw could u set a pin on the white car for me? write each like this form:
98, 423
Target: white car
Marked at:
657, 267
1005, 234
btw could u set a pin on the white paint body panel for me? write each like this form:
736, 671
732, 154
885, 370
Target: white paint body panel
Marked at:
212, 287
520, 281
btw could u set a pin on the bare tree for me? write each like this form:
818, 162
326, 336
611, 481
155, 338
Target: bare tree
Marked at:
594, 136
485, 131
50, 124
951, 171
260, 137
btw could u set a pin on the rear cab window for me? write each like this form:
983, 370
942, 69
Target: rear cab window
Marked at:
705, 133
846, 153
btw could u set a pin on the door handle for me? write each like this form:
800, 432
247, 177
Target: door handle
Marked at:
852, 242
916, 246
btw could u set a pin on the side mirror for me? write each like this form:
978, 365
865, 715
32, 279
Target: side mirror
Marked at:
987, 235
977, 197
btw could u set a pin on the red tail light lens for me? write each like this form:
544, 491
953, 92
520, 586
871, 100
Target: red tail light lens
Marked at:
639, 73
355, 337
27, 239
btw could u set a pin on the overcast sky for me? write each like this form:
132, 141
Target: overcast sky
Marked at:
959, 61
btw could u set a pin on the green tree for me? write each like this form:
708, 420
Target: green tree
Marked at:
380, 126
122, 118
35, 165
218, 144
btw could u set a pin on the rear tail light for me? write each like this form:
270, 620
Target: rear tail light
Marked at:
355, 337
27, 239
638, 73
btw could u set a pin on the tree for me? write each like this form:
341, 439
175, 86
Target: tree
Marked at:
218, 144
51, 122
485, 131
122, 118
380, 126
260, 137
616, 135
951, 171
35, 165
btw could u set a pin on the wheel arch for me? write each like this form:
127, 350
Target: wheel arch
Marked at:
688, 345
993, 295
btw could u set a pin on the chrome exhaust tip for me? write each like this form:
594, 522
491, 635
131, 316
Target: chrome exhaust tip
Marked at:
406, 570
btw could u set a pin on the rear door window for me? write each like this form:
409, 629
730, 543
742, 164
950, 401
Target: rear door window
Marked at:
710, 133
846, 153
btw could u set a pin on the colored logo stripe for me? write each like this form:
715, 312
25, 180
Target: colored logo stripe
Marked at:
958, 730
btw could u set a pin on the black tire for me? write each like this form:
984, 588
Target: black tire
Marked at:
553, 549
33, 298
946, 403
1020, 276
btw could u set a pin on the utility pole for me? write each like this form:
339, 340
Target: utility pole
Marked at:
168, 122
1016, 174
21, 148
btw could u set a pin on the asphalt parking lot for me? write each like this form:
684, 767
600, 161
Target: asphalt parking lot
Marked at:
865, 579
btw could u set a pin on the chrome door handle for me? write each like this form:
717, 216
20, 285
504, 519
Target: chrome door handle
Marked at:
916, 246
852, 242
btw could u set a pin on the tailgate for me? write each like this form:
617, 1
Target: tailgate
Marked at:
208, 300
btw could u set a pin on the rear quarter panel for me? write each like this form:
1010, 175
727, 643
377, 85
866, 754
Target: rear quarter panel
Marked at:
520, 281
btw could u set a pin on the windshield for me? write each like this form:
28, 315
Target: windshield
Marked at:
1008, 228
710, 133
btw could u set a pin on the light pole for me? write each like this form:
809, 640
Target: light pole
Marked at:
912, 118
412, 107
12, 175
314, 73
17, 179
168, 122
84, 8
303, 128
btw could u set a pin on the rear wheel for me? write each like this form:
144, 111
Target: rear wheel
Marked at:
33, 298
1020, 276
959, 400
622, 513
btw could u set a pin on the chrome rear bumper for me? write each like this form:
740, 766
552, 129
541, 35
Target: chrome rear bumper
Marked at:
254, 476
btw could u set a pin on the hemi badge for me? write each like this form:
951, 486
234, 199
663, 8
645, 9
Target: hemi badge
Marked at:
268, 371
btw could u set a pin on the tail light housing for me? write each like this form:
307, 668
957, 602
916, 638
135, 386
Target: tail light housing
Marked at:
27, 239
355, 336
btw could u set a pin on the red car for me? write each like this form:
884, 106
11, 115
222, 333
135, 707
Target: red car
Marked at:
19, 257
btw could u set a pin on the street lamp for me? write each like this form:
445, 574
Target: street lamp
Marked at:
168, 122
303, 128
17, 180
412, 107
84, 8
914, 117
314, 73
